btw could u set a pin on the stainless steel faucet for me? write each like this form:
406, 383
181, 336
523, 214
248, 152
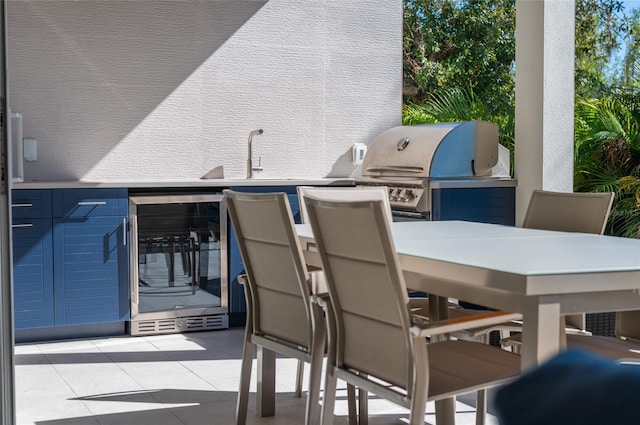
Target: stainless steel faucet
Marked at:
250, 167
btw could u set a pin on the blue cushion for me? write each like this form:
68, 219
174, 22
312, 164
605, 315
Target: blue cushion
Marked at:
573, 388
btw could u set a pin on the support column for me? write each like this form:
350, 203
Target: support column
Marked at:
7, 387
545, 55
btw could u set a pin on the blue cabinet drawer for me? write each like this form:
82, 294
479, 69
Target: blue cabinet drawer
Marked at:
82, 203
27, 203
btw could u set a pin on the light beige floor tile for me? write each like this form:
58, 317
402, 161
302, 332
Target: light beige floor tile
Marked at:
144, 417
54, 406
180, 379
218, 413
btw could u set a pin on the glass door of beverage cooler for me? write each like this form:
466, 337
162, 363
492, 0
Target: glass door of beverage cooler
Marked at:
178, 263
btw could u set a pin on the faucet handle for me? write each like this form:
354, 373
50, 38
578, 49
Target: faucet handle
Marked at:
259, 167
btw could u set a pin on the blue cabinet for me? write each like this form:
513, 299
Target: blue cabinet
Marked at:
494, 205
71, 262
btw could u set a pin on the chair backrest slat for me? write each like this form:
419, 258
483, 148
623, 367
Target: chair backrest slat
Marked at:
366, 287
278, 280
348, 193
568, 211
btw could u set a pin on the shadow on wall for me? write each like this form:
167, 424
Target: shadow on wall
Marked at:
86, 73
343, 166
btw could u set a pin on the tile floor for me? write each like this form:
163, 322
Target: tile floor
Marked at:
189, 379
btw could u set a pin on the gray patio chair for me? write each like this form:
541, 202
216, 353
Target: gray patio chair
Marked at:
280, 317
375, 342
559, 211
420, 305
319, 280
346, 193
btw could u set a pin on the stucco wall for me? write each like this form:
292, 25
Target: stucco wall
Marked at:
145, 89
544, 98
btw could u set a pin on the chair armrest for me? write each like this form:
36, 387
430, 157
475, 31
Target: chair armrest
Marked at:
422, 327
317, 280
322, 300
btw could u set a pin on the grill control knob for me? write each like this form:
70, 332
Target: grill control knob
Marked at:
409, 195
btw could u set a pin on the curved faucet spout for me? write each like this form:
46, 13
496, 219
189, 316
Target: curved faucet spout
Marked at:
250, 167
255, 132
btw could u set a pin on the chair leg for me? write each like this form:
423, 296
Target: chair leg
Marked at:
363, 407
172, 262
328, 404
312, 415
245, 381
351, 403
421, 387
194, 253
299, 376
481, 406
418, 408
184, 257
266, 397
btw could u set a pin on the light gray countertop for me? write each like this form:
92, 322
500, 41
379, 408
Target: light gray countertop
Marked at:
183, 183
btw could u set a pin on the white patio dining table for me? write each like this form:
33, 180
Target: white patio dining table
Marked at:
541, 274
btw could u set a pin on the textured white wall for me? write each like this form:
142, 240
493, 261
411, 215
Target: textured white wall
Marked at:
147, 89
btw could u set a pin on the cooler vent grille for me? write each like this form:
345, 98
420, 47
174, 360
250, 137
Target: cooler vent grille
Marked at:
179, 324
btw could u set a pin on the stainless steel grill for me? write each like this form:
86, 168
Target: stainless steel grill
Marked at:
409, 160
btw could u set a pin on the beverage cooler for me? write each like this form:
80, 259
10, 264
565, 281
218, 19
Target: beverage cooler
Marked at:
179, 279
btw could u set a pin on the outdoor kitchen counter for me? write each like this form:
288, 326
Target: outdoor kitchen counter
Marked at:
182, 183
85, 228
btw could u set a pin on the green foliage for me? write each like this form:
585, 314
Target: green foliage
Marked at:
458, 65
599, 25
631, 62
607, 158
458, 105
465, 45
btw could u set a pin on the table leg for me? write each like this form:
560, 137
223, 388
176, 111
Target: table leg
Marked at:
540, 330
434, 307
446, 411
266, 397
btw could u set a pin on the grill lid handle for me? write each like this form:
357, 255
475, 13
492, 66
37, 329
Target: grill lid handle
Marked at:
397, 168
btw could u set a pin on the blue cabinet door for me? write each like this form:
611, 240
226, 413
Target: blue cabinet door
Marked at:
32, 273
90, 270
90, 253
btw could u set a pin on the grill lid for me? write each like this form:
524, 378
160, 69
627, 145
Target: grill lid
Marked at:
462, 149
